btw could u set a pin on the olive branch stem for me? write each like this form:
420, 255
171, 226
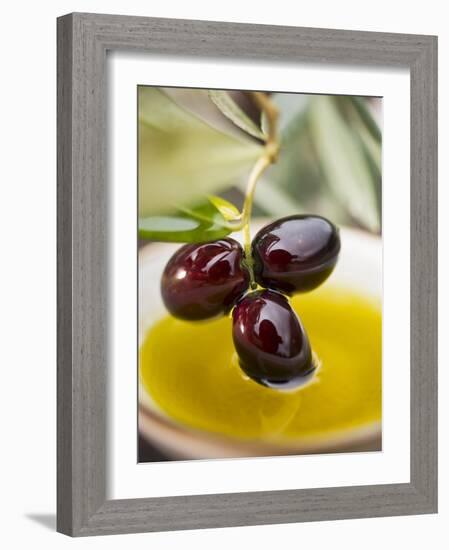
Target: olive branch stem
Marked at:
269, 156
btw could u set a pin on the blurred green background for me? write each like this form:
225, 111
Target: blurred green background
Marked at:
194, 143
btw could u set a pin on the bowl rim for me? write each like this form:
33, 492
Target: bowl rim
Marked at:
181, 439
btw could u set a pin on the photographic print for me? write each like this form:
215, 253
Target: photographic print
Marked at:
260, 273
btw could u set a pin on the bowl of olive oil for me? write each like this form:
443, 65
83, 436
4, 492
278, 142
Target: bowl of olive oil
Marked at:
196, 402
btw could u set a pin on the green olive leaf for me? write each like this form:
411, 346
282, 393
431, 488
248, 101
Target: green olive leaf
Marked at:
179, 229
181, 158
343, 162
231, 110
191, 225
228, 210
361, 108
357, 113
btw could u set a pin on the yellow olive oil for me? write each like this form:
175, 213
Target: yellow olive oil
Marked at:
191, 372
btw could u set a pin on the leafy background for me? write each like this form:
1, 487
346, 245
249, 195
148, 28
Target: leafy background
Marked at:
195, 145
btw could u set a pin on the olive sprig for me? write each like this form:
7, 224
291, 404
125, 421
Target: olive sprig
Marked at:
294, 254
290, 255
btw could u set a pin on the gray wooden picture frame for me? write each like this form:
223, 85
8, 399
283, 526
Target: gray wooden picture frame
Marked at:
83, 41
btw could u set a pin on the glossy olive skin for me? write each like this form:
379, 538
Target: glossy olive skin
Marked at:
295, 254
271, 343
202, 281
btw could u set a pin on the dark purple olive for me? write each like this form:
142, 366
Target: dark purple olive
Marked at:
201, 281
271, 343
295, 254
